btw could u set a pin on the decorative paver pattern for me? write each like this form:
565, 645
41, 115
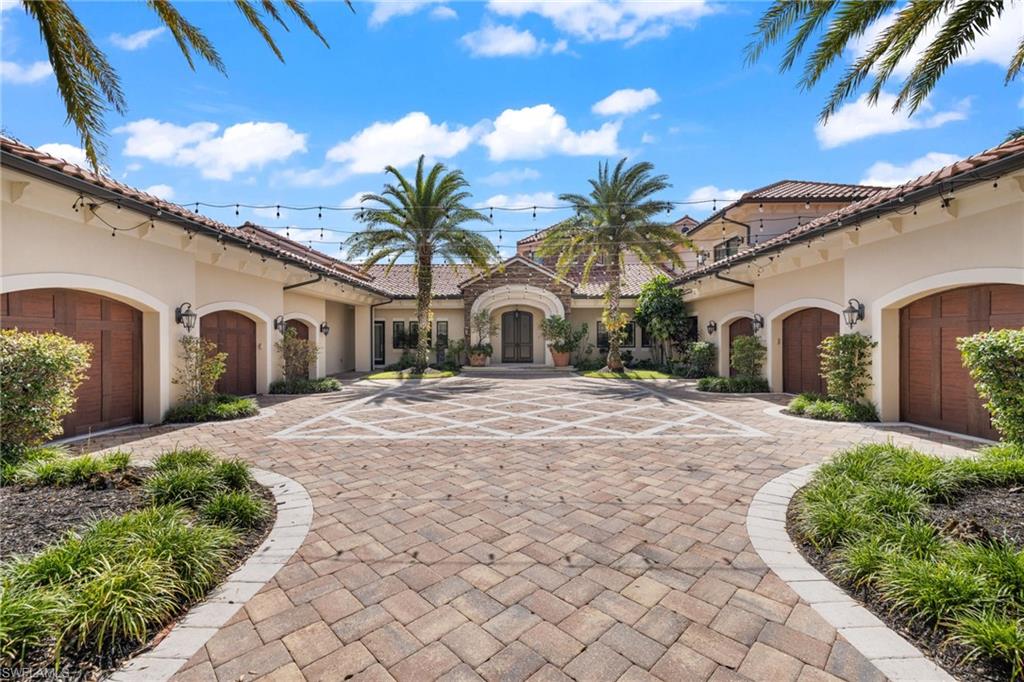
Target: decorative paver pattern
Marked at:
513, 558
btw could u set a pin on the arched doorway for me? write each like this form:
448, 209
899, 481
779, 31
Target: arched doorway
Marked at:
301, 330
111, 395
802, 333
517, 336
234, 334
935, 388
743, 326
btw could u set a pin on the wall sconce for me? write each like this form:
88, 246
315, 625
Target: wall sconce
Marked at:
186, 317
279, 324
325, 328
853, 313
712, 328
757, 324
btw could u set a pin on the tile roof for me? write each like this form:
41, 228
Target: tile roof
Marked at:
634, 276
880, 202
685, 222
250, 235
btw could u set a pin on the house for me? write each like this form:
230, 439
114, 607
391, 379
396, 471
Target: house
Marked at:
914, 266
106, 263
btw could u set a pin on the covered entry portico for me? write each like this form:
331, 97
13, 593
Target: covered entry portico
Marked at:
517, 311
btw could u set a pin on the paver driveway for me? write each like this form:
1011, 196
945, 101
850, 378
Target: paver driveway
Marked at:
516, 529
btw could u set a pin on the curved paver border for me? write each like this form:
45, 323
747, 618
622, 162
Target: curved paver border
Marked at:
190, 634
894, 656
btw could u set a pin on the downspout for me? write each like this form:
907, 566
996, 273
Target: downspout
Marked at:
722, 277
318, 278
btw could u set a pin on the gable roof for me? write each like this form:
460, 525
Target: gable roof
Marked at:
524, 261
1005, 157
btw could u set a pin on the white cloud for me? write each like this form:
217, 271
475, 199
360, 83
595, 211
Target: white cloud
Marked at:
647, 138
860, 119
889, 174
626, 101
68, 152
165, 192
499, 178
137, 40
240, 147
443, 13
709, 192
16, 74
995, 46
535, 132
386, 10
353, 201
503, 41
600, 20
399, 143
523, 201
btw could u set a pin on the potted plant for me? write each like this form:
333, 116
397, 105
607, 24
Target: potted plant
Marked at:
483, 327
562, 338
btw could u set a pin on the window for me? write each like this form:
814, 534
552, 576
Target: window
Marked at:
730, 247
397, 334
414, 334
691, 329
645, 338
442, 333
602, 336
629, 335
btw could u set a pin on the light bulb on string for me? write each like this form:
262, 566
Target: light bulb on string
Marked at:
236, 209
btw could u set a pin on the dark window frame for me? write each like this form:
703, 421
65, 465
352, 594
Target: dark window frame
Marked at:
646, 340
729, 247
398, 339
442, 339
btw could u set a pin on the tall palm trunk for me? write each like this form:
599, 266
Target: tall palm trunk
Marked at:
424, 282
614, 294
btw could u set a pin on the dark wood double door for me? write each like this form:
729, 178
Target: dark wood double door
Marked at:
234, 334
111, 394
935, 388
517, 336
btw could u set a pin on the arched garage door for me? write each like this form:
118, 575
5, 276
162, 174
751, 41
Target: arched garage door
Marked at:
234, 334
111, 395
935, 388
301, 330
802, 332
743, 326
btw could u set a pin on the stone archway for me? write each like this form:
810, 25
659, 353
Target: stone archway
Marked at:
525, 295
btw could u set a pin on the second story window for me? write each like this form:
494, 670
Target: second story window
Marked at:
730, 247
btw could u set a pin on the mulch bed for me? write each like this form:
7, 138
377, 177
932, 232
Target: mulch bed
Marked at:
34, 517
983, 515
930, 640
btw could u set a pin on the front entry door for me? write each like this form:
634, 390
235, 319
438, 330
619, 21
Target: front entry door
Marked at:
517, 336
378, 342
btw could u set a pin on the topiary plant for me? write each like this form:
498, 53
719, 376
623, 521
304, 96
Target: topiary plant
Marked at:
996, 362
748, 353
39, 374
846, 365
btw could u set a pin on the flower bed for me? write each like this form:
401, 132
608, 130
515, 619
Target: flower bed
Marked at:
815, 406
909, 535
733, 385
99, 587
218, 408
303, 386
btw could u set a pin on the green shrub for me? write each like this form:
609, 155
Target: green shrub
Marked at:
1000, 562
799, 404
220, 408
560, 334
818, 406
234, 474
930, 589
184, 457
65, 471
238, 509
26, 620
994, 635
300, 386
297, 355
996, 362
188, 485
733, 385
747, 357
588, 365
701, 359
39, 374
846, 366
200, 367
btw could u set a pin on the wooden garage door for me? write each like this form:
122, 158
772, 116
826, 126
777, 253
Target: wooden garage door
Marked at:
802, 332
234, 334
111, 395
744, 326
935, 388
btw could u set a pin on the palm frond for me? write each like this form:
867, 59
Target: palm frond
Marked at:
188, 37
255, 19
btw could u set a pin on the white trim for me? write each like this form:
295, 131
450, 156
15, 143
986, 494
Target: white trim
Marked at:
320, 340
525, 295
723, 346
262, 320
773, 333
154, 405
885, 325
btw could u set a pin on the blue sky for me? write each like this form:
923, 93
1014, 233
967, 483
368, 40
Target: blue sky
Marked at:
525, 97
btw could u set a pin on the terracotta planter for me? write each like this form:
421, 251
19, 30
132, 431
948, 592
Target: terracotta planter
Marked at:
561, 359
477, 359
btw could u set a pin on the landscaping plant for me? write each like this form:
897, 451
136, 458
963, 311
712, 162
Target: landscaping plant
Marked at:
846, 368
562, 338
699, 360
200, 368
747, 356
39, 374
996, 362
218, 408
299, 386
297, 355
661, 311
484, 328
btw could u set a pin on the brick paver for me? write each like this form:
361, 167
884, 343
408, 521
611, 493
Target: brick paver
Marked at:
529, 557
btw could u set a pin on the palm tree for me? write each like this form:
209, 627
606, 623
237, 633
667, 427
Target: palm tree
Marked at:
960, 24
89, 85
616, 218
422, 219
1014, 133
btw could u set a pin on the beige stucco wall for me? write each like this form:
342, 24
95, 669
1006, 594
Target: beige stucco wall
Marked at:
405, 311
591, 316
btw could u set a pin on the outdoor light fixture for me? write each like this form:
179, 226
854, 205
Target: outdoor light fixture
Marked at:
185, 316
712, 328
757, 323
325, 328
279, 324
853, 313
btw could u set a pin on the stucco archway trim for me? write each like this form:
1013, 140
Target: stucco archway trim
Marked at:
156, 327
524, 295
723, 340
321, 341
885, 326
264, 328
773, 332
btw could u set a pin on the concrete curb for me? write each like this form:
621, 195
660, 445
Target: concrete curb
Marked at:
190, 634
894, 656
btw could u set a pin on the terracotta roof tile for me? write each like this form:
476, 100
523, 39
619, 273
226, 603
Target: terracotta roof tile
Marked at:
400, 283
